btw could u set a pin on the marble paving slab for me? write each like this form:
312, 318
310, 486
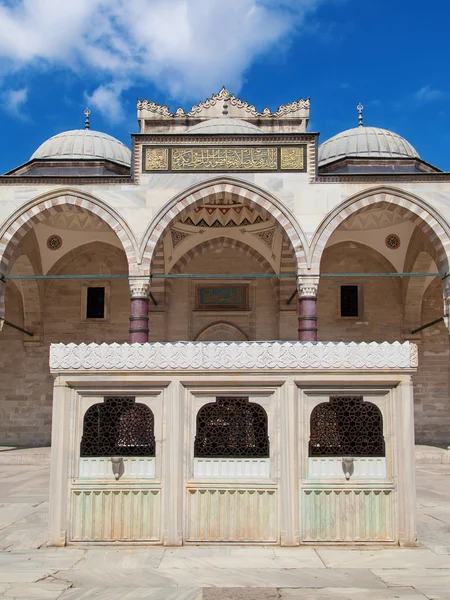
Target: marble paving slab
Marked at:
121, 558
248, 577
382, 558
53, 559
242, 562
38, 591
406, 593
433, 583
132, 594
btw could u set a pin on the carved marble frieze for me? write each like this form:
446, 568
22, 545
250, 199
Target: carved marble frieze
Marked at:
224, 158
200, 356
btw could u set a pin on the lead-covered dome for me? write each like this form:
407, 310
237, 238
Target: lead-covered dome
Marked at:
365, 142
225, 125
82, 144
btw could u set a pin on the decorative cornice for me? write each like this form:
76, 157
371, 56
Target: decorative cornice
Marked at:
183, 139
213, 356
224, 96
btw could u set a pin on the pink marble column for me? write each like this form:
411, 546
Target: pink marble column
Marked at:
140, 291
307, 308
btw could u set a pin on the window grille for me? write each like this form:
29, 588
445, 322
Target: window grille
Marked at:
346, 426
232, 428
118, 427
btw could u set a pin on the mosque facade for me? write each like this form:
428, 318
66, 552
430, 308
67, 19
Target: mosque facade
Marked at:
221, 240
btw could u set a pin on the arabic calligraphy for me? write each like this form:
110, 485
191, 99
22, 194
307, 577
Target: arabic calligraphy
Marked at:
224, 159
219, 297
292, 159
231, 158
156, 159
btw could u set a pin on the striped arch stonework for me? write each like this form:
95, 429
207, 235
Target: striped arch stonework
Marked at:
9, 242
226, 191
419, 216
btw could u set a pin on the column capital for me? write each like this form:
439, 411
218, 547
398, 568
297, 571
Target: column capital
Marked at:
307, 286
140, 287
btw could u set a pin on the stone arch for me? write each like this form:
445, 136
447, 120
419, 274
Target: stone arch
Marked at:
230, 189
415, 291
43, 207
24, 219
31, 298
88, 248
422, 215
224, 242
238, 334
380, 258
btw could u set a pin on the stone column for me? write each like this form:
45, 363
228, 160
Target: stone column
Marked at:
2, 302
307, 315
140, 292
446, 291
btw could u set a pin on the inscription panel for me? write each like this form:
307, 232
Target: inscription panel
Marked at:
222, 297
224, 158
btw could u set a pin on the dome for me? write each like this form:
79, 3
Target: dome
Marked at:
81, 144
367, 142
224, 125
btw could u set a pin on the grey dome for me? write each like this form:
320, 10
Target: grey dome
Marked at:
225, 125
367, 142
80, 144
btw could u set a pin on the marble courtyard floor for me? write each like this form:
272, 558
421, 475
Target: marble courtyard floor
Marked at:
30, 569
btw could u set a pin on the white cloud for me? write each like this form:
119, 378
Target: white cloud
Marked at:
14, 100
427, 94
107, 100
188, 48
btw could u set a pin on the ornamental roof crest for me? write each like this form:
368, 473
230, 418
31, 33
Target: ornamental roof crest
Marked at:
224, 104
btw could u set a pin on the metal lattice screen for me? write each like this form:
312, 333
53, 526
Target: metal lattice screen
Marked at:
346, 426
232, 428
118, 427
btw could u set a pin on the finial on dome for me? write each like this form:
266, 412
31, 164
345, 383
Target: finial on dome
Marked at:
360, 109
87, 125
225, 101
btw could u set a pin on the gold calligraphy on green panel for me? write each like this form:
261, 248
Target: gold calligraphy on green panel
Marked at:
224, 159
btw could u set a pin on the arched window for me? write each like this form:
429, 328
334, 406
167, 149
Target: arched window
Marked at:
118, 427
232, 428
346, 426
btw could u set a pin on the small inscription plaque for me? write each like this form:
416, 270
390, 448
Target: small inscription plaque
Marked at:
292, 159
222, 297
157, 159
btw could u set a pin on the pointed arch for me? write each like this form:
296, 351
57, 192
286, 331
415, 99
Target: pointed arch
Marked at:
223, 242
229, 189
46, 205
39, 209
422, 215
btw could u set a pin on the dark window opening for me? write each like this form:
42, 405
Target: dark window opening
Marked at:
232, 428
118, 427
349, 301
346, 426
95, 303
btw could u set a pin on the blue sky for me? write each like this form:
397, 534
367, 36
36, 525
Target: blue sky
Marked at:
391, 55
